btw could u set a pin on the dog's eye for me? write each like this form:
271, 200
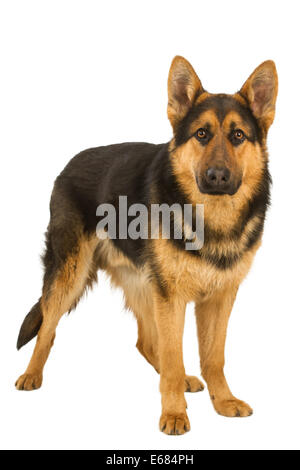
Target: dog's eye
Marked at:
238, 136
201, 133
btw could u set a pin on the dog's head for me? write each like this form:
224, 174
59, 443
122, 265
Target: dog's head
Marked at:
219, 139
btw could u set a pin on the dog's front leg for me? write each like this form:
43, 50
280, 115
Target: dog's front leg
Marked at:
212, 317
169, 317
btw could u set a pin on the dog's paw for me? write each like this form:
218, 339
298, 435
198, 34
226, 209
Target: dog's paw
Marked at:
193, 384
233, 408
174, 424
29, 382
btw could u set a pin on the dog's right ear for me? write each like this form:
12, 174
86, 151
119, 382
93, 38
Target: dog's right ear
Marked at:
184, 87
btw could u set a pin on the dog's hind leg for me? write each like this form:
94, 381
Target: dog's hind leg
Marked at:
147, 343
64, 284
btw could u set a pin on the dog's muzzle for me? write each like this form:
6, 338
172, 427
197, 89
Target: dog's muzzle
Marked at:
217, 181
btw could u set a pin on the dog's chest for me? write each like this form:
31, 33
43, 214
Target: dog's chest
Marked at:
191, 276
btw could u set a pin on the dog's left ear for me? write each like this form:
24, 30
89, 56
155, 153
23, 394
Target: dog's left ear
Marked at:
261, 92
183, 88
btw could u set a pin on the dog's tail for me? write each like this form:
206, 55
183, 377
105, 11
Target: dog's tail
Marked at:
31, 325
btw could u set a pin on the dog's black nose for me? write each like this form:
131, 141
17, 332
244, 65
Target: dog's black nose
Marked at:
217, 177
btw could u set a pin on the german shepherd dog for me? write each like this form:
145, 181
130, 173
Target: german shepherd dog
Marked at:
218, 158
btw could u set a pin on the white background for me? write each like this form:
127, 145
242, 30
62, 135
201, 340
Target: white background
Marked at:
77, 74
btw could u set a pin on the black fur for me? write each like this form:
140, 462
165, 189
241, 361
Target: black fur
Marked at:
30, 325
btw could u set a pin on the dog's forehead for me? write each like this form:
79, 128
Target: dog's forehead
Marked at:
218, 107
222, 104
